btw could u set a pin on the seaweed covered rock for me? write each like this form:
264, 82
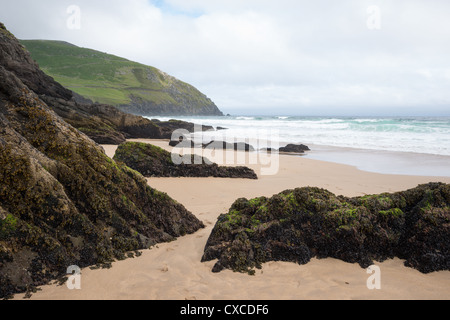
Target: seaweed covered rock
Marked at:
173, 125
153, 161
222, 145
63, 202
297, 225
295, 148
186, 142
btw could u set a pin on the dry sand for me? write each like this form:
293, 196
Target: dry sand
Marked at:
173, 271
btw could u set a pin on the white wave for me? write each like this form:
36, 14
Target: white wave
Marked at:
245, 118
418, 135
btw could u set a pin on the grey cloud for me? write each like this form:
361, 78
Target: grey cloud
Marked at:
303, 55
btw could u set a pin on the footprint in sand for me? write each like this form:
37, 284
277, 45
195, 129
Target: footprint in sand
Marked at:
165, 269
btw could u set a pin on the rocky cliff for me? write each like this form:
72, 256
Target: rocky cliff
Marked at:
63, 202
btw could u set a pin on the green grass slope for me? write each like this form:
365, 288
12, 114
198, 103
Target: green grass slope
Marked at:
105, 78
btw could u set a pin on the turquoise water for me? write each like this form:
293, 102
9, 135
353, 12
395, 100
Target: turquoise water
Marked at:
415, 134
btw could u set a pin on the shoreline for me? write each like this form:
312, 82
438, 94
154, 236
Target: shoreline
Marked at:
390, 133
173, 271
373, 161
384, 161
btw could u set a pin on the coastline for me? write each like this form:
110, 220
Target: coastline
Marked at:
173, 271
384, 161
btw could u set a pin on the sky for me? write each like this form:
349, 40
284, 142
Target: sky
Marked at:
284, 57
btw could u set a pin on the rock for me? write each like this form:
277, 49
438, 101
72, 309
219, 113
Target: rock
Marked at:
64, 202
221, 128
221, 145
297, 225
269, 150
241, 146
184, 142
173, 125
293, 148
152, 161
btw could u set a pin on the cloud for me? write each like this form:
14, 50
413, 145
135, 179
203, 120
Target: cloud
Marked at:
259, 55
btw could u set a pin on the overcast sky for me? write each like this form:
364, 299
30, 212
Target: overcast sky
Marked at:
346, 57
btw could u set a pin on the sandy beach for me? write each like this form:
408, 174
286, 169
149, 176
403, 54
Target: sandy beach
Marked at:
173, 271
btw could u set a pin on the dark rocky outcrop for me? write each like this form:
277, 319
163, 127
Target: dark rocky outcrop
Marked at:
173, 125
153, 161
221, 145
269, 150
290, 148
299, 224
294, 148
63, 202
104, 124
186, 142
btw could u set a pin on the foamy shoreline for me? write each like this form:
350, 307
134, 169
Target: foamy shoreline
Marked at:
173, 271
384, 161
398, 134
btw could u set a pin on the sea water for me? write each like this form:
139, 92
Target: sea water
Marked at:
401, 145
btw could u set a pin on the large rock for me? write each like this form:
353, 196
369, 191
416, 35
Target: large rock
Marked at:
63, 202
184, 142
190, 127
295, 148
300, 224
153, 161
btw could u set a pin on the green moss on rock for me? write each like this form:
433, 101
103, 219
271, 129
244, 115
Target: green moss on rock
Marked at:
153, 161
299, 224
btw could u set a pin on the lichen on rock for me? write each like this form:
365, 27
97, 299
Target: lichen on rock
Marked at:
153, 161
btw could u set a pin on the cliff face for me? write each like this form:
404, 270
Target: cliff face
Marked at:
63, 202
184, 106
130, 86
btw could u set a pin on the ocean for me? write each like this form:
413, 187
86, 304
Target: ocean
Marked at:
370, 143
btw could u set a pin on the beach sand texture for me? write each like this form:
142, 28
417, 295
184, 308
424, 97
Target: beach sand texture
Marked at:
173, 271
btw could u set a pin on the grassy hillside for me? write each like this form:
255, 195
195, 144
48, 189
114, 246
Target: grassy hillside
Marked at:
116, 81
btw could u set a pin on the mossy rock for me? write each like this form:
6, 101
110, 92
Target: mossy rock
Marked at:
153, 161
299, 224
